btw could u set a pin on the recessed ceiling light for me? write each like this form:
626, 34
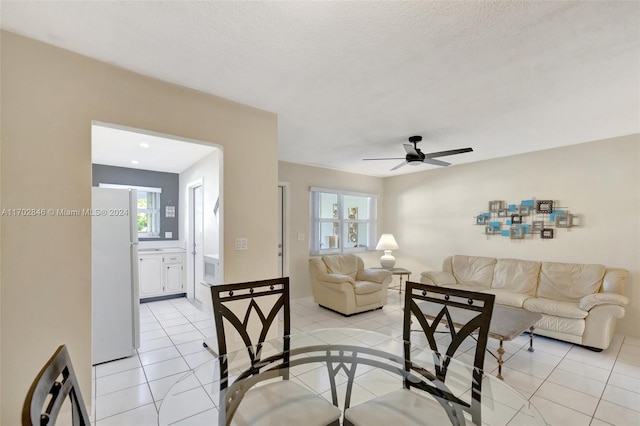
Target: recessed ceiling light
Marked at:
144, 145
135, 161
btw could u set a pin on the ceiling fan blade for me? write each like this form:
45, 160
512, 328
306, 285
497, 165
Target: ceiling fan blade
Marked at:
436, 162
411, 150
392, 158
450, 152
399, 165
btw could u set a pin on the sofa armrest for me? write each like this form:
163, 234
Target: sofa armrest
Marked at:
437, 278
335, 278
591, 300
374, 275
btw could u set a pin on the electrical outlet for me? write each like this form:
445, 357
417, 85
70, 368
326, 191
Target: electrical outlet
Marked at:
241, 244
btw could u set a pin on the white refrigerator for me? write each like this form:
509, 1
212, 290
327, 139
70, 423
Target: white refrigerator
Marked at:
114, 274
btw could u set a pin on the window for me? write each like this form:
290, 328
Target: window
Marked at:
148, 214
341, 221
148, 209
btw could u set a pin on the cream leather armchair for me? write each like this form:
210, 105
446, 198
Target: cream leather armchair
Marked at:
339, 282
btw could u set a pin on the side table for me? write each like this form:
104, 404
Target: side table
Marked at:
400, 272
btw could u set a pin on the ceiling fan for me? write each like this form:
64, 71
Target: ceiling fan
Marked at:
415, 156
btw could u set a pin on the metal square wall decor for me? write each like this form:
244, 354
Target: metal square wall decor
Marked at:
529, 219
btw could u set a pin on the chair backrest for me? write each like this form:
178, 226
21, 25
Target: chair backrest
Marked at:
466, 314
55, 381
265, 298
241, 305
346, 264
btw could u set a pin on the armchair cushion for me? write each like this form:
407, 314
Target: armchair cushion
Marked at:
345, 265
336, 278
373, 275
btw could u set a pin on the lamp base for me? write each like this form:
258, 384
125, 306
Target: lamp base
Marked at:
387, 261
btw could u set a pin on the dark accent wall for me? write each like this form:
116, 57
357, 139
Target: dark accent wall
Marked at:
169, 182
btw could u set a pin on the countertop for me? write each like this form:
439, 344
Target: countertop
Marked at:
161, 250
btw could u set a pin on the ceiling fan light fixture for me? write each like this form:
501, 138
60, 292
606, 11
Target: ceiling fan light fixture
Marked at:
416, 157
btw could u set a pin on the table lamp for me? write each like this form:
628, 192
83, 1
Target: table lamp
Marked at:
387, 243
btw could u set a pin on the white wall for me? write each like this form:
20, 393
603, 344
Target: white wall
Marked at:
432, 213
207, 169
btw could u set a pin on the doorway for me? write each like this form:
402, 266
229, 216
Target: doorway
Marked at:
283, 229
196, 238
146, 158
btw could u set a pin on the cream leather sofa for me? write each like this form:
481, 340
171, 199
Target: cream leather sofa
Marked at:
579, 303
339, 282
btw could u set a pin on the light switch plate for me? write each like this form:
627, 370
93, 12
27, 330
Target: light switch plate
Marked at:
300, 236
242, 244
168, 234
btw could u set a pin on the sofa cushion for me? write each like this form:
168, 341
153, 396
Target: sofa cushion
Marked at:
342, 264
474, 271
520, 276
561, 325
506, 297
554, 307
569, 281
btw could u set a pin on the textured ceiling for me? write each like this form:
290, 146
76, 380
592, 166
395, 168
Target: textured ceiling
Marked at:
350, 80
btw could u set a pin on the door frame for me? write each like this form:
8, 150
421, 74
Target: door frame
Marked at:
283, 217
190, 226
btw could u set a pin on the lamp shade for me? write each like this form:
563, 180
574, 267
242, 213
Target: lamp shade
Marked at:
387, 242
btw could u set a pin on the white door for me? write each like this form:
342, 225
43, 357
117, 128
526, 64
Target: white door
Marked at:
197, 238
282, 227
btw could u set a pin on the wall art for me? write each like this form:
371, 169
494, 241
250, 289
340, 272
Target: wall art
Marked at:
529, 219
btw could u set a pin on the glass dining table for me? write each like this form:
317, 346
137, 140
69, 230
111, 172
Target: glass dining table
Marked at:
347, 367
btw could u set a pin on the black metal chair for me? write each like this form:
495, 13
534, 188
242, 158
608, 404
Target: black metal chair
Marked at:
467, 316
278, 402
50, 389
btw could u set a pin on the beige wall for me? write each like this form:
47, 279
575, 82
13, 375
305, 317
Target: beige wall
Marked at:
300, 178
432, 213
49, 97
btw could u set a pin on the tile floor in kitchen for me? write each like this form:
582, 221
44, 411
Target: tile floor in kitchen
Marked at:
568, 384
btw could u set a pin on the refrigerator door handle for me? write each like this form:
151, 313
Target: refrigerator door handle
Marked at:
135, 277
135, 295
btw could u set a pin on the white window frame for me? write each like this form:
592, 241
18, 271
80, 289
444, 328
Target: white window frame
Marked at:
153, 214
315, 221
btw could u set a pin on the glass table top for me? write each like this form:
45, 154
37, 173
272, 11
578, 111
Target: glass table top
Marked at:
345, 366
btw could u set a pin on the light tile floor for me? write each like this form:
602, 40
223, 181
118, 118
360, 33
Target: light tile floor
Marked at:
568, 384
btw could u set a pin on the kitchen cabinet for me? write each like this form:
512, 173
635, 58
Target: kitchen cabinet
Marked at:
150, 270
173, 273
161, 274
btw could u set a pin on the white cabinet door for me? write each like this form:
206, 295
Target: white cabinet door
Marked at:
150, 270
173, 277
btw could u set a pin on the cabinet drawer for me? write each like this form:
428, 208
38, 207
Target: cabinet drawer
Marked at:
173, 258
